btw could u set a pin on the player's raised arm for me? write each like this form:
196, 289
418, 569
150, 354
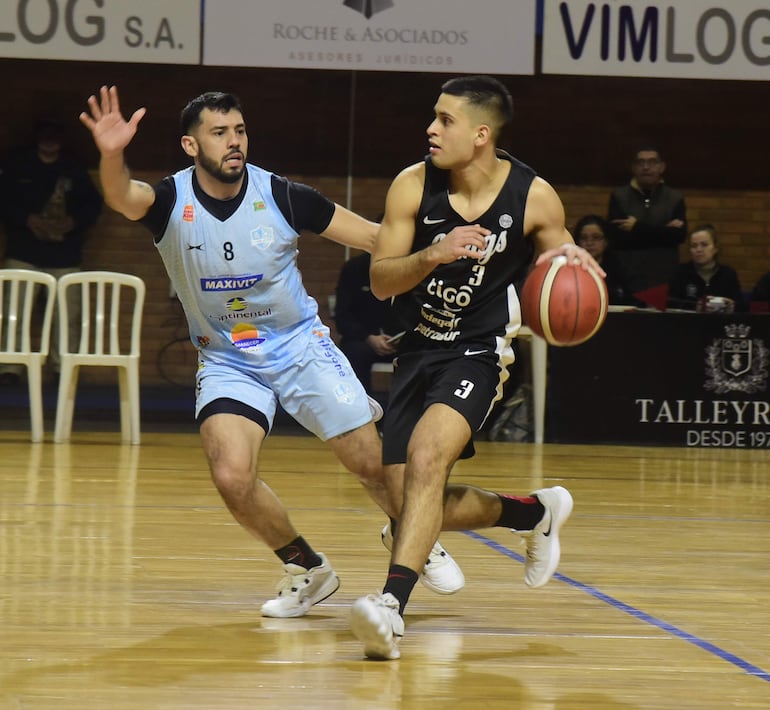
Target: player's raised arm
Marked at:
111, 134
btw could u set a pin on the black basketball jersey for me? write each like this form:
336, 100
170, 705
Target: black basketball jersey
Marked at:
469, 301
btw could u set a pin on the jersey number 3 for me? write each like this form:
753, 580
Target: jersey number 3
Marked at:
465, 388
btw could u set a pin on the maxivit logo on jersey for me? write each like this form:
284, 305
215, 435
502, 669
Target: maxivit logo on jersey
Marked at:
407, 35
230, 283
678, 38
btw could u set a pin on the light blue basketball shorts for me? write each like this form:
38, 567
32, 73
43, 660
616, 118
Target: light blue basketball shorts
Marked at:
320, 390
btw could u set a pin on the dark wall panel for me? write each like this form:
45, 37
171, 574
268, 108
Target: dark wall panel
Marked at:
574, 130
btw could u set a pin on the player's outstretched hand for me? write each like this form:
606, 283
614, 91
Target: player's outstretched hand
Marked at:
111, 132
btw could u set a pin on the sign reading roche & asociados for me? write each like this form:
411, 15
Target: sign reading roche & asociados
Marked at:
485, 36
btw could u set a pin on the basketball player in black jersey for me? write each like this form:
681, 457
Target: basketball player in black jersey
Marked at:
460, 229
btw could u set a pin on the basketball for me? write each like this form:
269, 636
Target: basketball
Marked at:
563, 302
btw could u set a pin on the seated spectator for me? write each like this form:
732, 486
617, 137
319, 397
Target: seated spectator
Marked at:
590, 232
703, 276
361, 320
49, 205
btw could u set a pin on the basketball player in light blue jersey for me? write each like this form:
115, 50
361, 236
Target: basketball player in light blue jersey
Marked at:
227, 233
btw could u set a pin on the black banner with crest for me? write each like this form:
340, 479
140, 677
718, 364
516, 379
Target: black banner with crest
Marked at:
674, 379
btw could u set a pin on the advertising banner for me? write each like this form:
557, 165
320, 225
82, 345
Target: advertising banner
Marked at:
155, 31
485, 36
679, 379
696, 39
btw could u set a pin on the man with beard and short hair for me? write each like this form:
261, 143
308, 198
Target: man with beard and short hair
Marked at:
228, 230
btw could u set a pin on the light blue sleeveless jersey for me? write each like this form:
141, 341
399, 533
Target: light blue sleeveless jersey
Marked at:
242, 292
259, 338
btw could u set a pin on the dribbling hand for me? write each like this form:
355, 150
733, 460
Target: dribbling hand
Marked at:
575, 255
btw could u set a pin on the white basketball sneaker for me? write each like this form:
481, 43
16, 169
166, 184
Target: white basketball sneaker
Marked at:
543, 549
302, 588
375, 621
441, 574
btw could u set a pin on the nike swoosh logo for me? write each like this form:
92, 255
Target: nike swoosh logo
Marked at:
428, 220
550, 527
474, 352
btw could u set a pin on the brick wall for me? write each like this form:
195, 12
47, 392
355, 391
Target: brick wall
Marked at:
580, 132
119, 244
740, 217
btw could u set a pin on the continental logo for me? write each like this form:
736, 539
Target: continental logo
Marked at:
236, 304
238, 309
241, 315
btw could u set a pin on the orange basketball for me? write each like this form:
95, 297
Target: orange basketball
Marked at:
563, 302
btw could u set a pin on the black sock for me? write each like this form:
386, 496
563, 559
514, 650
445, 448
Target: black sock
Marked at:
400, 583
298, 552
520, 512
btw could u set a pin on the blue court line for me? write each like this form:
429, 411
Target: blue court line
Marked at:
707, 646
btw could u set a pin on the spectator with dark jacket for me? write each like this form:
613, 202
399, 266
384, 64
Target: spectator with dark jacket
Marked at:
649, 222
49, 203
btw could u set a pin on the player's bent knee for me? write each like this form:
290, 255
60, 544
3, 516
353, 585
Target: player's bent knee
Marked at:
369, 472
232, 482
429, 462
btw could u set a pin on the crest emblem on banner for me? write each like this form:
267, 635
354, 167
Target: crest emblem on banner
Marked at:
736, 363
368, 7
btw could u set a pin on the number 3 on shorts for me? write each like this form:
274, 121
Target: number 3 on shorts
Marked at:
466, 386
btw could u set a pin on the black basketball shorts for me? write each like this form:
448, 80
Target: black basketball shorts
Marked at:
469, 384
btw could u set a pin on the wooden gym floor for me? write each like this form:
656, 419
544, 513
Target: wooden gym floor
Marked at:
125, 584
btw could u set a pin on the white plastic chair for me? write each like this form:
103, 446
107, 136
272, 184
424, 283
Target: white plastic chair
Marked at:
18, 293
102, 343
